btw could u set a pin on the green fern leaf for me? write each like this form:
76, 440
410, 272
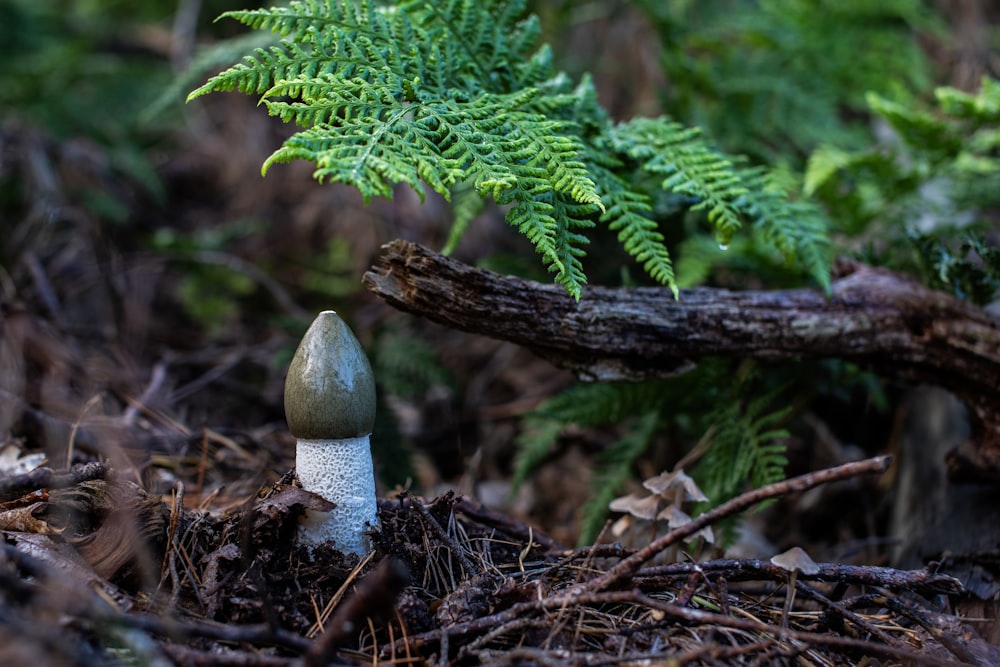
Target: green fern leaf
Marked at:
689, 165
534, 443
917, 128
627, 213
797, 229
466, 204
823, 164
745, 446
406, 365
981, 107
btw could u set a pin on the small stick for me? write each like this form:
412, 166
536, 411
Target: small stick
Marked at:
16, 486
922, 581
630, 565
844, 612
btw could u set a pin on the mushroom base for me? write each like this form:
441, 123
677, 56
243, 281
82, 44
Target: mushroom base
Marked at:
340, 471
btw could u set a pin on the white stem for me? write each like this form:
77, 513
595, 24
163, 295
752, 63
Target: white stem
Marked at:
340, 471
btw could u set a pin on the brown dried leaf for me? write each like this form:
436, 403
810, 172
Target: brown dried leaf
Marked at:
23, 520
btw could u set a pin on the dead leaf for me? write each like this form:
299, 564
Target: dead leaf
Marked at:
23, 520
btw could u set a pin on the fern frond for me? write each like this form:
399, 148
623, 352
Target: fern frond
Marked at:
206, 60
371, 155
535, 218
492, 37
600, 403
584, 404
798, 229
534, 443
308, 20
628, 213
466, 204
822, 166
746, 446
690, 167
917, 128
981, 107
310, 46
697, 255
571, 216
406, 365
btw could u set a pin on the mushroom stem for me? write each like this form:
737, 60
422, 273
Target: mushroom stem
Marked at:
351, 489
789, 598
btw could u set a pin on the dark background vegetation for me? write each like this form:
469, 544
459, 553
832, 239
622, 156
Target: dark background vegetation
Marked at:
152, 282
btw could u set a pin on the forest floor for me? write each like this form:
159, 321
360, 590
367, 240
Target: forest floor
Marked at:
148, 511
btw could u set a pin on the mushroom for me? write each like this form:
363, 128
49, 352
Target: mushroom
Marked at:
635, 507
330, 409
638, 506
676, 518
793, 561
679, 482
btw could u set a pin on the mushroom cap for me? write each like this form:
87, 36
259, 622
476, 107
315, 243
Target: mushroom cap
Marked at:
330, 387
676, 518
642, 507
796, 559
668, 481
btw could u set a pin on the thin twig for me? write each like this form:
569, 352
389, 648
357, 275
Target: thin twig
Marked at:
924, 580
843, 611
374, 595
955, 645
16, 486
156, 379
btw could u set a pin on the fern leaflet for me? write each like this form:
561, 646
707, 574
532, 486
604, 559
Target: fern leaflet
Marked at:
746, 446
689, 167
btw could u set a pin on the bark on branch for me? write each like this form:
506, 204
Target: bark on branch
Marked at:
882, 320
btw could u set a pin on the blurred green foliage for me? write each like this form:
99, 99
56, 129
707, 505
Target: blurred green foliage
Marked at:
924, 197
74, 69
77, 69
774, 79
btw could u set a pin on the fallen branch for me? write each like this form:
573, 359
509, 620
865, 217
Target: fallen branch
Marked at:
925, 581
877, 318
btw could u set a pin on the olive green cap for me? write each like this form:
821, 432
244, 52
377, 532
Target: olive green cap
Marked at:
330, 387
